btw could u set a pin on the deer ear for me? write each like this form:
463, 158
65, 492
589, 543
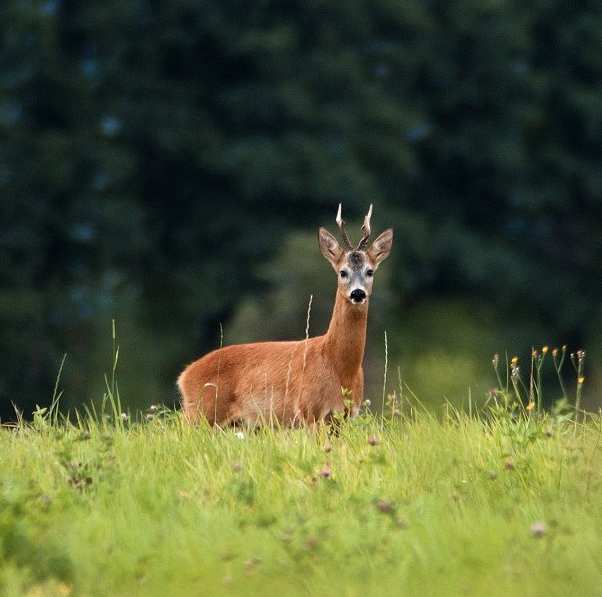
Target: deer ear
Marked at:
381, 247
329, 246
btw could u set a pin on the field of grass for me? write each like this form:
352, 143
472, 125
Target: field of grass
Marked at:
501, 504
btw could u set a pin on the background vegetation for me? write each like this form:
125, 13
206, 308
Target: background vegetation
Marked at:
167, 164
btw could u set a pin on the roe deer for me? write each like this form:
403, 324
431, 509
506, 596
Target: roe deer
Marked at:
299, 382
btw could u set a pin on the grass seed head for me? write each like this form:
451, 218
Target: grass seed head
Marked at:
251, 564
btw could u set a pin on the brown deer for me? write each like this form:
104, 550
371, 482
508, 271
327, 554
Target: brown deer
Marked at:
298, 382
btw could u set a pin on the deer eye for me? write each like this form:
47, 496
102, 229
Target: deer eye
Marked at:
370, 273
343, 273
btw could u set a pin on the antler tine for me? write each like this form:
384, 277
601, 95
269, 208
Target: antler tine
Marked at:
366, 230
341, 225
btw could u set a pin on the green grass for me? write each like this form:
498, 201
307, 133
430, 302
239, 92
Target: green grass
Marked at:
501, 505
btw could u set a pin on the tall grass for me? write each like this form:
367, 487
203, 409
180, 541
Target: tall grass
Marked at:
502, 499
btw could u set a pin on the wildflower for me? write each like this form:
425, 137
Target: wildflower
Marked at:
531, 405
538, 529
240, 435
367, 403
581, 380
555, 352
153, 408
514, 368
325, 473
544, 349
495, 361
124, 416
384, 506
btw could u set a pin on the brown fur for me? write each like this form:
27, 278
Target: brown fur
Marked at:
291, 383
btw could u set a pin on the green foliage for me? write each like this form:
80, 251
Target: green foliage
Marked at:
505, 503
157, 155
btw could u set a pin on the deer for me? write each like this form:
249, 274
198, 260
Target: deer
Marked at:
302, 382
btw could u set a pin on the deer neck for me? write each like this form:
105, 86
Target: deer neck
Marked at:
345, 339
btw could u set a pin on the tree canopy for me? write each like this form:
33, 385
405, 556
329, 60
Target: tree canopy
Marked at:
159, 158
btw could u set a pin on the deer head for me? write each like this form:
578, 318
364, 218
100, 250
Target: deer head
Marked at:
355, 266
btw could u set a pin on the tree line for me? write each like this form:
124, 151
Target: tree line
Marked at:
156, 156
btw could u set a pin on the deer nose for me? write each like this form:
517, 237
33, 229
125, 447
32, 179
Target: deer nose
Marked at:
358, 295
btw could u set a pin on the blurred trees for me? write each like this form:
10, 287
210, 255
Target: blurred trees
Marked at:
157, 155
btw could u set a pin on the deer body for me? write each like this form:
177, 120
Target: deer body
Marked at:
297, 382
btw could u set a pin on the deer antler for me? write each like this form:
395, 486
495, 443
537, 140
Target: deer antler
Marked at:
365, 230
341, 225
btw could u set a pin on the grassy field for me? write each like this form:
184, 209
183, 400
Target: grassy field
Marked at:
502, 504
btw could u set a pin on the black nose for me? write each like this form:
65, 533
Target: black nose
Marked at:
357, 295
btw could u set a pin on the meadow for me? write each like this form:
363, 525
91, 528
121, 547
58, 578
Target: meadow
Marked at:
500, 500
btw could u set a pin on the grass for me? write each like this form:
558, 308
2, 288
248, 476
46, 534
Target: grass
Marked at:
505, 499
495, 504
